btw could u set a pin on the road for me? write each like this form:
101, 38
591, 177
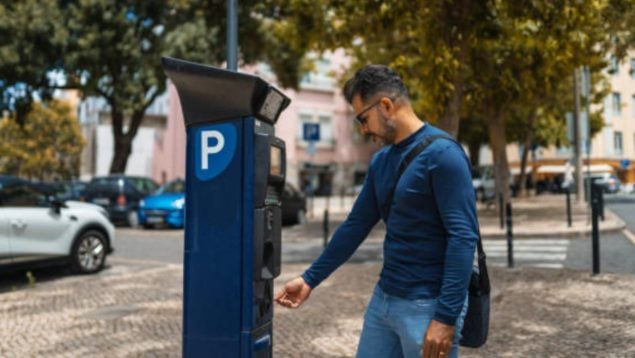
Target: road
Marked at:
617, 253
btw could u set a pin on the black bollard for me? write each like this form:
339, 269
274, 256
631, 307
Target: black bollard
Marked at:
595, 231
510, 237
501, 207
568, 192
325, 227
600, 202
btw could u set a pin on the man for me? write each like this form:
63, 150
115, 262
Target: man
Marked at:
419, 303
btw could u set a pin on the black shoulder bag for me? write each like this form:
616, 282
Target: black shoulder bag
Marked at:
476, 324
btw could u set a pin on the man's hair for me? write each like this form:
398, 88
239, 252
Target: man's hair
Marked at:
371, 80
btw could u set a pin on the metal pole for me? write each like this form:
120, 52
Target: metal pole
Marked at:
501, 213
232, 35
325, 227
510, 237
578, 142
568, 192
595, 238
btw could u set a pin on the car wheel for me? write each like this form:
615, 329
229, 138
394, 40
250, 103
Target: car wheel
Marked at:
300, 217
89, 252
133, 219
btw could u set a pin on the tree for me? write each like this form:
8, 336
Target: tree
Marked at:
48, 145
486, 61
113, 49
31, 42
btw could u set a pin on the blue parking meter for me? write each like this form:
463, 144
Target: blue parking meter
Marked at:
235, 173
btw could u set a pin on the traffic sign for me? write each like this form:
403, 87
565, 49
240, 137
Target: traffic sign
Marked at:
311, 131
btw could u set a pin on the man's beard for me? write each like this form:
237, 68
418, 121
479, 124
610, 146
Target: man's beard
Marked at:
388, 131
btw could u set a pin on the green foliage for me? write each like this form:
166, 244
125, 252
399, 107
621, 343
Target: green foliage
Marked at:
31, 42
47, 146
113, 49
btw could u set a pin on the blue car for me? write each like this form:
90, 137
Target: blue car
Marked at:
166, 207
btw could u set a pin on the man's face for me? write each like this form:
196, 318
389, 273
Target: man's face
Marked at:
373, 118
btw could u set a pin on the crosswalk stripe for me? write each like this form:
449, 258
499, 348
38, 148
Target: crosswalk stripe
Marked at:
532, 255
526, 249
528, 242
547, 253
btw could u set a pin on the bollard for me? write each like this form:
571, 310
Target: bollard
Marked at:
600, 192
501, 207
325, 227
568, 192
510, 237
595, 238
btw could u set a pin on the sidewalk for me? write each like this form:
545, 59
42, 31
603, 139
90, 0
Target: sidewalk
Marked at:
133, 310
542, 216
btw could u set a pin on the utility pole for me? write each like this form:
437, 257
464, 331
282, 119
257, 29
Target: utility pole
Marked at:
577, 135
232, 35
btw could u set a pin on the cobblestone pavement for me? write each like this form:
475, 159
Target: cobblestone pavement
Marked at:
134, 310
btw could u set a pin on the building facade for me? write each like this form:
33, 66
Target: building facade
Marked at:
333, 164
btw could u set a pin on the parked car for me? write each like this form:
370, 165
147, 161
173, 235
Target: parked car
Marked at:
68, 190
293, 206
607, 181
37, 229
165, 207
120, 196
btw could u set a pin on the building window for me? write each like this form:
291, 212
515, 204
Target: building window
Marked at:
633, 106
616, 104
633, 68
614, 66
320, 78
617, 143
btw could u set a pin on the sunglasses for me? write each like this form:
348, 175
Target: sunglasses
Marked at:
360, 116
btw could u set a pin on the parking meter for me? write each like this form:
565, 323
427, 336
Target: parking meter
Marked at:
235, 173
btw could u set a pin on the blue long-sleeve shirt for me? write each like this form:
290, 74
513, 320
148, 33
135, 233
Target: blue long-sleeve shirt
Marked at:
432, 229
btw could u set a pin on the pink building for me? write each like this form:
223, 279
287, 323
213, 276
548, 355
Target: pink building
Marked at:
338, 161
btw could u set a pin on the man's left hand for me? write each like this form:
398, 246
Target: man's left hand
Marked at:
438, 340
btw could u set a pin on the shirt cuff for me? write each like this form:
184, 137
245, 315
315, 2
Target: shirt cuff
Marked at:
444, 318
309, 281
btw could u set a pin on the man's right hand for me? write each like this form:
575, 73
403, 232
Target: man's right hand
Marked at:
294, 293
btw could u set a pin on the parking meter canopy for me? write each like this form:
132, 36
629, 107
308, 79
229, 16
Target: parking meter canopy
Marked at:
209, 94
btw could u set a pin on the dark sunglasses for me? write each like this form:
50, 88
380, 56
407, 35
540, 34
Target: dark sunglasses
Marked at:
359, 117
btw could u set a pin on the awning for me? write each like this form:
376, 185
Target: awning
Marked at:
561, 169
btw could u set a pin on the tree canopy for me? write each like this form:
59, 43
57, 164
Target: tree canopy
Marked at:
33, 151
113, 49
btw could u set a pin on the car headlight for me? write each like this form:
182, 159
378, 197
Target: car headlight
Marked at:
142, 203
179, 203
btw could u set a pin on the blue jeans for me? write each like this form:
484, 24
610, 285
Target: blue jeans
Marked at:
394, 327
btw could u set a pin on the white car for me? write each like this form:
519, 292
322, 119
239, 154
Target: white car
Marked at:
36, 228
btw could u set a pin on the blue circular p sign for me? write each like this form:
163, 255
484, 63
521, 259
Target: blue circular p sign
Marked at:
215, 146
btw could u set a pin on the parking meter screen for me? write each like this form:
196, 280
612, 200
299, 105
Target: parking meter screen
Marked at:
272, 104
276, 161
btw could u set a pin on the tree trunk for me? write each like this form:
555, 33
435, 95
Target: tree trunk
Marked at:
123, 148
522, 179
123, 141
498, 143
474, 147
527, 145
449, 121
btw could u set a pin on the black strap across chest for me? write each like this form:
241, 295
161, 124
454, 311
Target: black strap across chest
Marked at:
412, 154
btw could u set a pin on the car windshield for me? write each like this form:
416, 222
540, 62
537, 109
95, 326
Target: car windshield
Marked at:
174, 187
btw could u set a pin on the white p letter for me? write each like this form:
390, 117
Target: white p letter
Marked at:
206, 150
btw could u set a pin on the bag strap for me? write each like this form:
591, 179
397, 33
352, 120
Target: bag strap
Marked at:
482, 264
406, 161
